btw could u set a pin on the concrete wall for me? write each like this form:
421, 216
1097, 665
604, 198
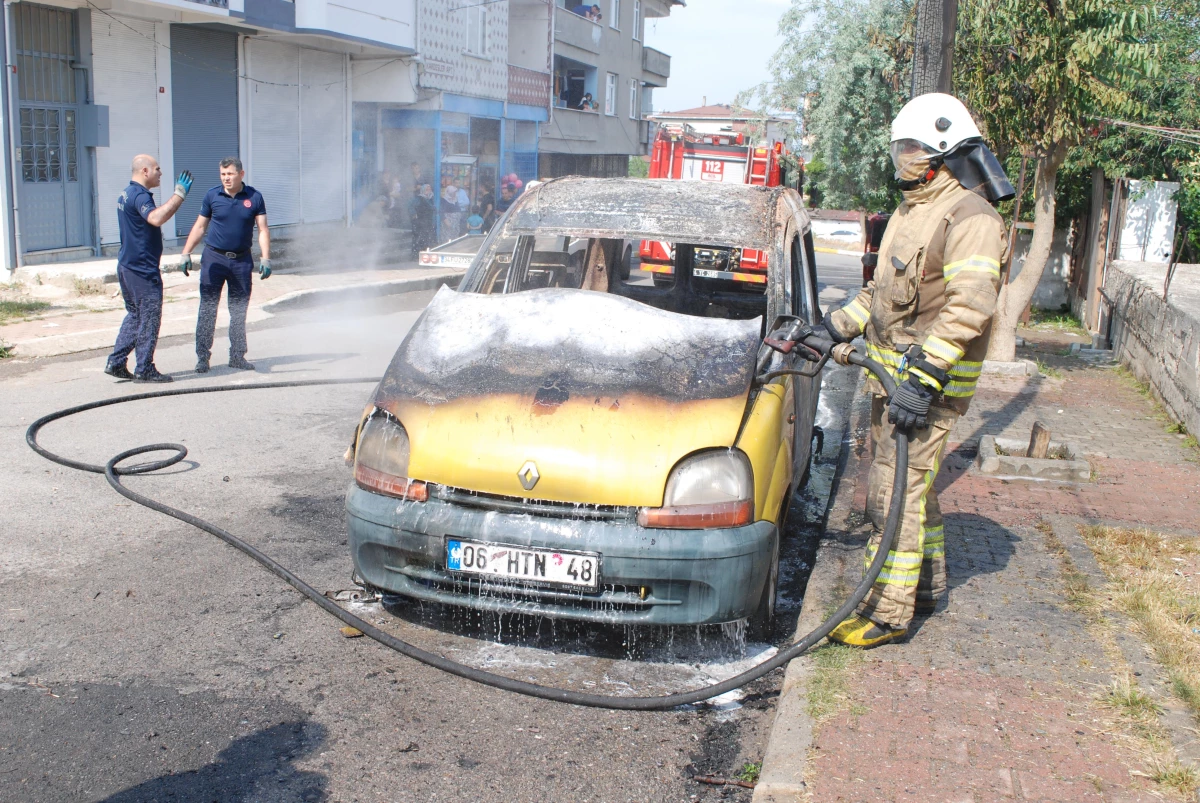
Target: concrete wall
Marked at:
1159, 341
1051, 292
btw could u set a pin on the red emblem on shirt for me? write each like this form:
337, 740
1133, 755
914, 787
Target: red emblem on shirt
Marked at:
246, 203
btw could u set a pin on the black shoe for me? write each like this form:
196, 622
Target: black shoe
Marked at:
152, 375
202, 366
118, 371
241, 364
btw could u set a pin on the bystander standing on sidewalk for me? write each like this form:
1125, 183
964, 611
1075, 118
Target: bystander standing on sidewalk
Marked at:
138, 272
234, 208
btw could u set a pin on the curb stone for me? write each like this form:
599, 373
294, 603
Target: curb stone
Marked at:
785, 760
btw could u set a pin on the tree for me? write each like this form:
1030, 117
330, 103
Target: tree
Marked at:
840, 69
1040, 74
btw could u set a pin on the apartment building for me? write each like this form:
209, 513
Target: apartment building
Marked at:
91, 84
480, 93
603, 83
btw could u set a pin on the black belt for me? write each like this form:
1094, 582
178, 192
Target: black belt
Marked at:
229, 254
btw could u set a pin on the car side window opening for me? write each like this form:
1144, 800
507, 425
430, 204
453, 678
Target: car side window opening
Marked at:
803, 304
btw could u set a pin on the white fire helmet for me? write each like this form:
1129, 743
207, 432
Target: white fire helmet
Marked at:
929, 125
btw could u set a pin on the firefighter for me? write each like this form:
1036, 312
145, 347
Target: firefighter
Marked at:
927, 316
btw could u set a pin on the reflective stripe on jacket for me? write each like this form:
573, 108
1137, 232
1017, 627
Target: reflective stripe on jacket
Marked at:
935, 286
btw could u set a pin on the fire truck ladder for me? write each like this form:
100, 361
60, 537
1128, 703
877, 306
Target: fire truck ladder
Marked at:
758, 161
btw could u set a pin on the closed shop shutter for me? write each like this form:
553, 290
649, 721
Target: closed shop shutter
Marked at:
204, 110
127, 82
323, 135
274, 164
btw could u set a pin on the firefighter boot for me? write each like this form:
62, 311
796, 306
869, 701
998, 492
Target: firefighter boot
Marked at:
859, 631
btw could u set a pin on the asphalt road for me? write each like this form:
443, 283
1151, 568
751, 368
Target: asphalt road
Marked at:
143, 660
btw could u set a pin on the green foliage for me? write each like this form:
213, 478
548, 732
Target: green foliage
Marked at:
638, 167
1041, 74
841, 66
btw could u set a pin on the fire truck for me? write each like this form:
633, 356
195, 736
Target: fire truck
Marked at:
683, 154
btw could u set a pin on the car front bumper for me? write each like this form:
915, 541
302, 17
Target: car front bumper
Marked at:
648, 576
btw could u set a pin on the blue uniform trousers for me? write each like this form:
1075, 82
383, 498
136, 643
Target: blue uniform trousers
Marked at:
217, 271
143, 297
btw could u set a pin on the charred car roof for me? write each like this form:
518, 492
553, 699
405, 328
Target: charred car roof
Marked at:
700, 212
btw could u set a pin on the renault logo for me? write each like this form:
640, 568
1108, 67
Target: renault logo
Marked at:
528, 475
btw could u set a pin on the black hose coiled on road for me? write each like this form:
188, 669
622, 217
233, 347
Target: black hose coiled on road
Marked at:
113, 473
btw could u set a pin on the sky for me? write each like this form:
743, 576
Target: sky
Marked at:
717, 49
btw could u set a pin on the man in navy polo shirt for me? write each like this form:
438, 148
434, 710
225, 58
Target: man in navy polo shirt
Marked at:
228, 214
140, 223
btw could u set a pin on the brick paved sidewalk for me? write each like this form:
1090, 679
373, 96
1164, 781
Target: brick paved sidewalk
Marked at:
995, 697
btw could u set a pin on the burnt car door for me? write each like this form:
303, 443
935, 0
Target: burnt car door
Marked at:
805, 390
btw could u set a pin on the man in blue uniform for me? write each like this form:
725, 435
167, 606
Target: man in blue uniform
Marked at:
228, 214
140, 223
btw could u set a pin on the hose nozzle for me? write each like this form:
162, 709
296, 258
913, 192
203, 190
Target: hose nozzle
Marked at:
841, 353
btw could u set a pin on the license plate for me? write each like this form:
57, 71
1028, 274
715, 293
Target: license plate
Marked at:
534, 566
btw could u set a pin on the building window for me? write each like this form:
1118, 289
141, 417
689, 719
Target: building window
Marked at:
633, 105
610, 94
637, 20
476, 31
614, 21
574, 84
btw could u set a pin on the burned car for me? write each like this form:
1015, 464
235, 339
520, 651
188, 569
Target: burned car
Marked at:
554, 439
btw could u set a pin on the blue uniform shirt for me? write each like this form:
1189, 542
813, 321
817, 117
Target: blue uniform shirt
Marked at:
231, 220
141, 243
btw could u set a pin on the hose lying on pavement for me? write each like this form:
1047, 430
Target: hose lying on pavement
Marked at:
113, 471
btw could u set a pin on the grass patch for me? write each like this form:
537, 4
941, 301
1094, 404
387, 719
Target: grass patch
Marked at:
1056, 321
1048, 370
827, 695
88, 287
1184, 780
749, 772
5, 350
1142, 565
12, 310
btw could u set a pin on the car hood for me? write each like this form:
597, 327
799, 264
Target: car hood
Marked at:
600, 394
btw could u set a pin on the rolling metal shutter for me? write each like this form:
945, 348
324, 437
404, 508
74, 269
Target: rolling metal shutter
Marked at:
127, 82
204, 110
274, 164
323, 135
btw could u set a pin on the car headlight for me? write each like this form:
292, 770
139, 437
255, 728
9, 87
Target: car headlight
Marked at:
381, 460
709, 489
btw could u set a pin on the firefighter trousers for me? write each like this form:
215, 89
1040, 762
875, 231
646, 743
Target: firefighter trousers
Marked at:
916, 567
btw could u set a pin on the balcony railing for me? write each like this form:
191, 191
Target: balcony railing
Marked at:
528, 87
578, 31
656, 62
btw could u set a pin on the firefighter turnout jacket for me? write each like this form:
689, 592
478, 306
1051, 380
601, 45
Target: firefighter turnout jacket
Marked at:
935, 286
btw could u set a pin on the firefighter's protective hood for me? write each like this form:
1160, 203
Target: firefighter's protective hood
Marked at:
937, 129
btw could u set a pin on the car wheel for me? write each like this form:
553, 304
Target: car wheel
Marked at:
626, 262
761, 626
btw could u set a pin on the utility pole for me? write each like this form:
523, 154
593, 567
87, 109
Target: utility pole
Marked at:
933, 46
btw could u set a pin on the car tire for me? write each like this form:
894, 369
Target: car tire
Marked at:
761, 625
626, 262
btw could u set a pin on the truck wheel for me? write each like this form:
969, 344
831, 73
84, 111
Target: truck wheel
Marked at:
626, 262
761, 626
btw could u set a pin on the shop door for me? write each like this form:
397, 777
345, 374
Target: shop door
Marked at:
49, 91
204, 106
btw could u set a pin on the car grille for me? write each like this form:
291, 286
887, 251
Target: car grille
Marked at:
532, 507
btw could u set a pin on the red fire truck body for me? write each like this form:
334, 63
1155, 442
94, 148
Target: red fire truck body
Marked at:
682, 154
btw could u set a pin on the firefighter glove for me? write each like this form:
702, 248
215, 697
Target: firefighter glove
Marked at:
264, 268
831, 331
183, 184
185, 263
909, 406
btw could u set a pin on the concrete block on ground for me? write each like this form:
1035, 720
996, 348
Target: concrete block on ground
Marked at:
1067, 465
1014, 368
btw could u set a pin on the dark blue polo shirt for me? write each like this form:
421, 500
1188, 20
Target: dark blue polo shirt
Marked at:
141, 243
231, 226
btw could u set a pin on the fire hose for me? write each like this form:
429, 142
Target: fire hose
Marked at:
114, 471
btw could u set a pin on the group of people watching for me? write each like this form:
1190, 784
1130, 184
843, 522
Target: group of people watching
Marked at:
591, 12
459, 213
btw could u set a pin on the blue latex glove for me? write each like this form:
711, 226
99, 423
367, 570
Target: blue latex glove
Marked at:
185, 263
183, 184
264, 268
